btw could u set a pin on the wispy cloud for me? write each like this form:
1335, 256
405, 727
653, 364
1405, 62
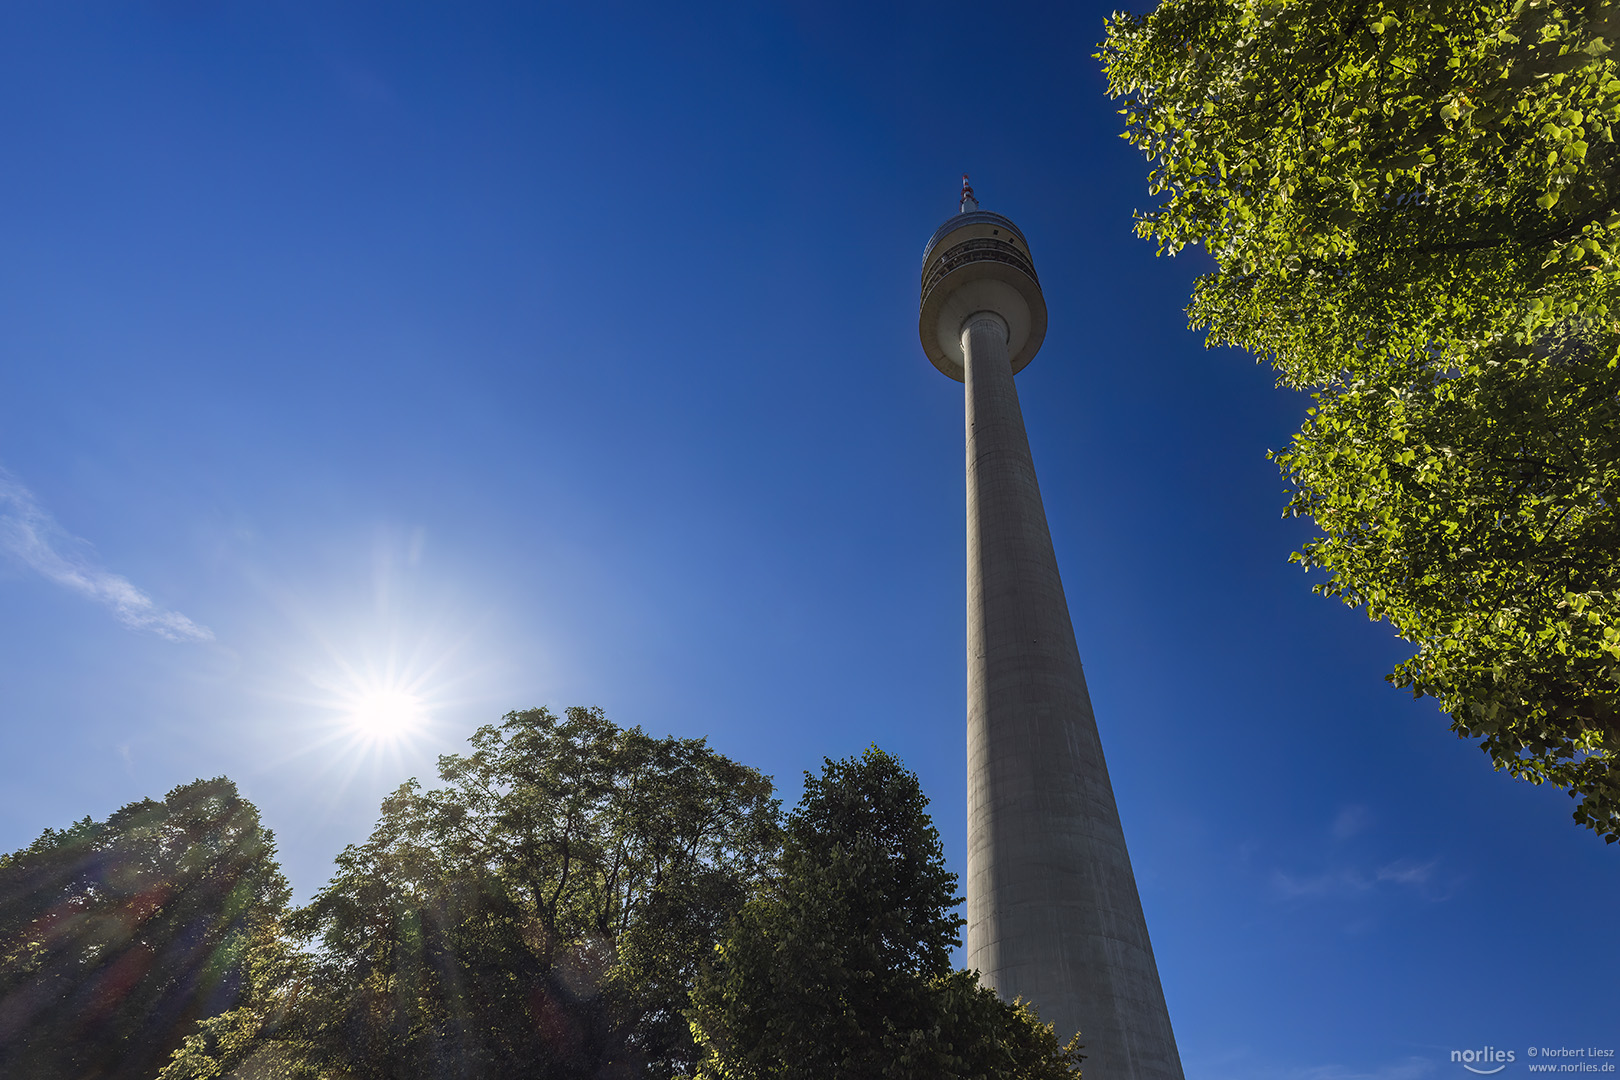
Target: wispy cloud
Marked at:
1344, 881
1242, 1064
30, 535
1350, 820
1407, 872
1406, 1069
1350, 881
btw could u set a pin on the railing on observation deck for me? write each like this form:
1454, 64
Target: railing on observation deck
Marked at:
979, 249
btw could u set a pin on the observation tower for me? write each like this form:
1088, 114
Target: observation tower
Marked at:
1053, 914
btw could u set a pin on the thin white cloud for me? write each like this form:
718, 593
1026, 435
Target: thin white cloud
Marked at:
1345, 881
1351, 820
1407, 872
30, 535
1243, 1065
1406, 1069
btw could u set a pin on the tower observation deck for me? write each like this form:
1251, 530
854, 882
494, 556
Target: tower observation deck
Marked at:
1053, 914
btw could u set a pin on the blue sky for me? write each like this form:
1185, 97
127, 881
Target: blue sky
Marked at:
478, 356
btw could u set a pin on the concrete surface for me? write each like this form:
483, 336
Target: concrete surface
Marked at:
1052, 906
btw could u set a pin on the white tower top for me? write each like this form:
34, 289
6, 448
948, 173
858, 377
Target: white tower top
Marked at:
978, 261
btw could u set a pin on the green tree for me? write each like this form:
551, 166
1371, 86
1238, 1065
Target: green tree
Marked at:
842, 966
542, 914
116, 937
1414, 211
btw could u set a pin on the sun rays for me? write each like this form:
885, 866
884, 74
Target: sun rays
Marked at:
381, 696
371, 671
383, 709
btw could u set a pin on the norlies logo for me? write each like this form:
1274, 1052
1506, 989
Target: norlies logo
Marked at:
1481, 1061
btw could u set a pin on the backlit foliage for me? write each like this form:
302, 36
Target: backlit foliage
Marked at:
1414, 209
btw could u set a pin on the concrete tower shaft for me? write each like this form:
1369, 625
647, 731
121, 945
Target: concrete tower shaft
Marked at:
1052, 906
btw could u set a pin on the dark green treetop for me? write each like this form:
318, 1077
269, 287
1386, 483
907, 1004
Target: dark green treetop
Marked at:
842, 966
116, 937
1414, 211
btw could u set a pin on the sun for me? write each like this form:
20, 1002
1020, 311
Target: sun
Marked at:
384, 713
373, 678
379, 702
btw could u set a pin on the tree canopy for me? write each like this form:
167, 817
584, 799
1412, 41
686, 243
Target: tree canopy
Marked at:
541, 914
573, 900
841, 967
1414, 211
116, 937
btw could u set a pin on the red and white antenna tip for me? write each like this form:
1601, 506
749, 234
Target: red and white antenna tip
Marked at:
968, 201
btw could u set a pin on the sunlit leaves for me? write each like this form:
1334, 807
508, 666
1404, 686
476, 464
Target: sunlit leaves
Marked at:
1415, 209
